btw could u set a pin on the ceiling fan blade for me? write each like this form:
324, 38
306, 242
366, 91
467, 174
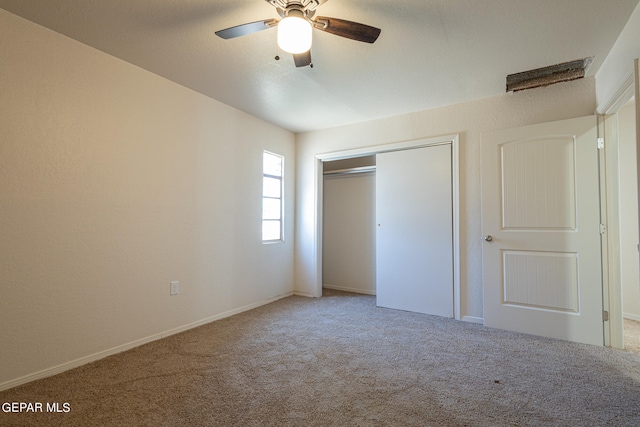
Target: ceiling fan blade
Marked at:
302, 59
246, 29
348, 29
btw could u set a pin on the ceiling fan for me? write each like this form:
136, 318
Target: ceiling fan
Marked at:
294, 29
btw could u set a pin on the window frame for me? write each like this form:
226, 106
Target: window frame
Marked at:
280, 178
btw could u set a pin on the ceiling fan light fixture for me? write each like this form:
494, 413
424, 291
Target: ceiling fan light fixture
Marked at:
294, 34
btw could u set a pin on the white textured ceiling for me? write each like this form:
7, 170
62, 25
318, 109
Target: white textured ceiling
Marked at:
430, 52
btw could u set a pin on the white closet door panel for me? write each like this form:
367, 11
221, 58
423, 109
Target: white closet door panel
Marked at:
414, 245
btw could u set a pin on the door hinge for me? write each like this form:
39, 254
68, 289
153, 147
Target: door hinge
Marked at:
600, 143
605, 316
603, 228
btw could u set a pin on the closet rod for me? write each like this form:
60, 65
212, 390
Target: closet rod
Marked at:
362, 169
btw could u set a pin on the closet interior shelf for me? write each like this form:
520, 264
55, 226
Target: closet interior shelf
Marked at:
362, 169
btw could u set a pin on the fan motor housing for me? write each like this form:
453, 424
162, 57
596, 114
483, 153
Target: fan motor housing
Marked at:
307, 7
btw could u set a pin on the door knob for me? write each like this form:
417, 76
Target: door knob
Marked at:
488, 238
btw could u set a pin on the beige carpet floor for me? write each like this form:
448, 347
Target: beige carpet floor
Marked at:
341, 361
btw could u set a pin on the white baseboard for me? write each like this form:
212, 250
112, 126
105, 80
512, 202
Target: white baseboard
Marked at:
473, 319
631, 316
124, 347
303, 294
354, 290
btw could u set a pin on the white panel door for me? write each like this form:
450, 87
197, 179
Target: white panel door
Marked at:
541, 207
414, 239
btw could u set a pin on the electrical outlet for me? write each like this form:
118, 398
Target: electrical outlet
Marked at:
175, 288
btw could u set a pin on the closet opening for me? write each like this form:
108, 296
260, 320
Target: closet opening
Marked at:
351, 253
348, 225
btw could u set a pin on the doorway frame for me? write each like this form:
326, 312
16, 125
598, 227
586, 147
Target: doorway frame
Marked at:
610, 204
453, 140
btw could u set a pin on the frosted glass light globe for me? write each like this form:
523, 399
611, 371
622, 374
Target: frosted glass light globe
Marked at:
294, 35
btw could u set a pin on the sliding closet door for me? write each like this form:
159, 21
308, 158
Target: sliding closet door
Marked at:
414, 239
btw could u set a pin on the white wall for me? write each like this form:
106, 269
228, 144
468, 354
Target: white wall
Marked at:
470, 120
113, 182
629, 268
615, 76
349, 244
